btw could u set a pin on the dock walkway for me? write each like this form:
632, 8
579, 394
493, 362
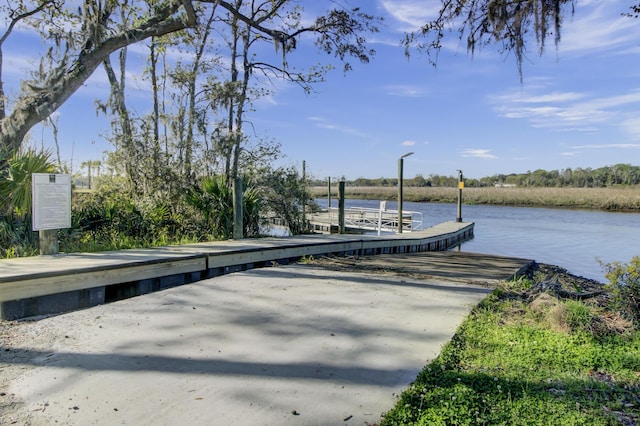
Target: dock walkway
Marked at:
52, 284
363, 219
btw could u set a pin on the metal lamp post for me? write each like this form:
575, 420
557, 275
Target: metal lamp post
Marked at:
460, 187
400, 167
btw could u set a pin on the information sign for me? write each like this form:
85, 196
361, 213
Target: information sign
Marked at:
51, 196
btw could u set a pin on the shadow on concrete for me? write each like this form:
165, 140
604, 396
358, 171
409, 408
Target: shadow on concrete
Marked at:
164, 364
291, 273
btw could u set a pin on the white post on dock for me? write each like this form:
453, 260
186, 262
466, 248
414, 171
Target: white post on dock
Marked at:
383, 207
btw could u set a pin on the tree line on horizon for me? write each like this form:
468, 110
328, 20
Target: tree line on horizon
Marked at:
601, 177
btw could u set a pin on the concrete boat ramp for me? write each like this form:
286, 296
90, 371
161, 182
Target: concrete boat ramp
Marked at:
300, 344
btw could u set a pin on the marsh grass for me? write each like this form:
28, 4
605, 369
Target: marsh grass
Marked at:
614, 199
522, 361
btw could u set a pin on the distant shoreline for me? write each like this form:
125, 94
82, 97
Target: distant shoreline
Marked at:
606, 199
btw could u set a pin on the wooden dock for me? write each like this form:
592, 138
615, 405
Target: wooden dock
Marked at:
52, 284
358, 220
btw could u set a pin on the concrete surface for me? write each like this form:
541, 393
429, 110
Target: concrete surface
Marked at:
288, 345
450, 265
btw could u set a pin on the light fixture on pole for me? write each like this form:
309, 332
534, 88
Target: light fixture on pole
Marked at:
400, 167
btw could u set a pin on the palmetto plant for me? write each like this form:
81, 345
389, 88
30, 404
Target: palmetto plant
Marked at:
16, 236
15, 190
213, 198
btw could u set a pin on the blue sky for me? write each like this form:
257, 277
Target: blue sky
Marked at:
577, 106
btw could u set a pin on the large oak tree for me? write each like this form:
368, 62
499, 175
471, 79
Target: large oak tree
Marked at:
82, 38
74, 56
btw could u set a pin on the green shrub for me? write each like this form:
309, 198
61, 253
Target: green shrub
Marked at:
17, 238
624, 285
285, 196
213, 200
111, 217
578, 315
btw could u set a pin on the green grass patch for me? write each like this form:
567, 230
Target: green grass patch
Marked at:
517, 362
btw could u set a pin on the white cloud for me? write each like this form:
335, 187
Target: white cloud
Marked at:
598, 26
632, 127
408, 143
412, 14
553, 97
18, 65
406, 91
478, 153
609, 146
570, 111
324, 124
266, 100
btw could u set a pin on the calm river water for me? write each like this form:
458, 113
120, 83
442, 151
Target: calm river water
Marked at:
573, 239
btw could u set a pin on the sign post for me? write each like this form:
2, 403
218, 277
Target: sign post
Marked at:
51, 197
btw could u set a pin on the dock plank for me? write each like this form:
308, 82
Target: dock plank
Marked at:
61, 283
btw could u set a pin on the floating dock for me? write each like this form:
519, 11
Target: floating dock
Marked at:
358, 220
45, 285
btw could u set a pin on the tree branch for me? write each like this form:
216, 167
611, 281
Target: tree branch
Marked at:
40, 102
